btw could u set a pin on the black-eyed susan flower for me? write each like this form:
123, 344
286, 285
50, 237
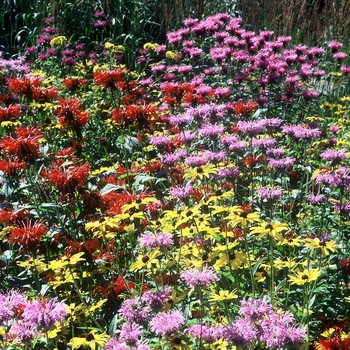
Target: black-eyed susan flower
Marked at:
241, 217
324, 246
305, 276
200, 172
91, 340
272, 229
223, 295
146, 261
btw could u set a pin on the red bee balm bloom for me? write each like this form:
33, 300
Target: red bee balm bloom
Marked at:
109, 79
28, 235
25, 145
71, 115
68, 180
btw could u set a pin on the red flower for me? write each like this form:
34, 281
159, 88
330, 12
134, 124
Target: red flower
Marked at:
11, 167
32, 89
10, 113
109, 79
74, 83
28, 234
336, 342
25, 145
244, 108
68, 180
71, 115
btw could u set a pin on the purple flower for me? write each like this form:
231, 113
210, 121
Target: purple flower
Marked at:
160, 141
211, 130
156, 240
228, 173
23, 332
156, 300
130, 333
167, 323
182, 192
263, 143
9, 304
282, 163
100, 24
133, 311
275, 152
342, 207
185, 69
334, 156
345, 70
44, 314
251, 127
270, 193
340, 56
309, 95
315, 199
335, 46
196, 278
206, 332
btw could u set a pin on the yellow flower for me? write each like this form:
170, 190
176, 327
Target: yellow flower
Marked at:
200, 172
114, 48
291, 241
324, 247
235, 259
92, 340
174, 343
150, 46
223, 295
146, 261
306, 276
172, 55
58, 40
240, 217
272, 229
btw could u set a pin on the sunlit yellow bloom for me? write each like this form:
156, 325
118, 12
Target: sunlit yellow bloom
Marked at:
91, 340
172, 55
138, 204
114, 48
10, 123
221, 344
284, 263
234, 259
147, 261
200, 172
328, 333
173, 343
291, 242
242, 218
223, 295
324, 247
150, 46
272, 229
259, 276
305, 276
58, 40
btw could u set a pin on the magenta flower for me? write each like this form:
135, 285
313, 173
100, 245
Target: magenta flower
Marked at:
156, 240
44, 313
334, 156
167, 323
196, 278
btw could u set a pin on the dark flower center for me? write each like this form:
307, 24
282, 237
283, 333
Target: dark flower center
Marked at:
145, 259
305, 277
199, 170
177, 341
268, 227
89, 337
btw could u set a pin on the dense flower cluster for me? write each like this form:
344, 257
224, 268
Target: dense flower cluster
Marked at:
154, 208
